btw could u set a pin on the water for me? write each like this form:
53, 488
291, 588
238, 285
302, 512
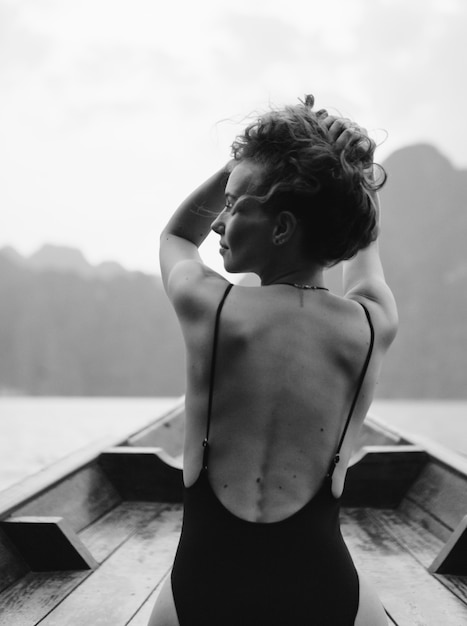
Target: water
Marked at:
442, 422
36, 432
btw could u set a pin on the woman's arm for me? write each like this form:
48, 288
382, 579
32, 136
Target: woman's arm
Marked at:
363, 275
191, 224
363, 280
365, 267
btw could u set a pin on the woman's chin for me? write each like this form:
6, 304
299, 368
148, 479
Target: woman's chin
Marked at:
231, 268
228, 268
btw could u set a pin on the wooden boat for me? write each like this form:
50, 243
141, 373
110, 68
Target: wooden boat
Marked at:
90, 540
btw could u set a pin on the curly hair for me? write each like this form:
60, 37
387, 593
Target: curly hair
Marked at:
324, 186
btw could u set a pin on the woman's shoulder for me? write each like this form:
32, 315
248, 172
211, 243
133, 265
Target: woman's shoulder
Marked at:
382, 313
195, 289
344, 328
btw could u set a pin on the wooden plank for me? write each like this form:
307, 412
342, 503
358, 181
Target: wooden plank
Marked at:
26, 602
34, 596
142, 616
80, 498
31, 487
440, 492
167, 434
115, 591
413, 537
113, 529
48, 543
410, 594
143, 473
379, 476
422, 545
439, 453
456, 584
424, 518
452, 558
12, 565
391, 620
372, 434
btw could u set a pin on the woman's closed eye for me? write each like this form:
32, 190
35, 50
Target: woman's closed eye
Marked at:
230, 207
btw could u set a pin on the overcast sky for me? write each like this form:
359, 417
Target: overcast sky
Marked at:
112, 110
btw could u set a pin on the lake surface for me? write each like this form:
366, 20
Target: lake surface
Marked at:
36, 432
441, 422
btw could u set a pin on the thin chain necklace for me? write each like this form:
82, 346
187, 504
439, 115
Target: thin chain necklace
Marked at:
304, 286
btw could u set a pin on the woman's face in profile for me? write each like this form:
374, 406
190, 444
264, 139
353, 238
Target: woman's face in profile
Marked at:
245, 229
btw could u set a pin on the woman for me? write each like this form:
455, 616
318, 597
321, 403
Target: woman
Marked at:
279, 377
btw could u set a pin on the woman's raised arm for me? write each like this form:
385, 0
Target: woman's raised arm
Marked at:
190, 224
363, 275
363, 279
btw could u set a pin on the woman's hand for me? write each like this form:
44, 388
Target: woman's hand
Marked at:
347, 135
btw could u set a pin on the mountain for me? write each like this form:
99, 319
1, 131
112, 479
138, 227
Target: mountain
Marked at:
12, 255
70, 328
60, 259
64, 259
74, 329
423, 246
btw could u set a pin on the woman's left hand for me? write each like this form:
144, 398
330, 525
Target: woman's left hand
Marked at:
345, 133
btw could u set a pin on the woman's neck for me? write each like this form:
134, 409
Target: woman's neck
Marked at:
298, 276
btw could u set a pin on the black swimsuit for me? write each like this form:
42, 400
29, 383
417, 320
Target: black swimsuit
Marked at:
232, 572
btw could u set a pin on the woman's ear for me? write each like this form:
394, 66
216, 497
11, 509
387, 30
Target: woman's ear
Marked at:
284, 228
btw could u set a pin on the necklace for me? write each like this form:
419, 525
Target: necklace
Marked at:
304, 286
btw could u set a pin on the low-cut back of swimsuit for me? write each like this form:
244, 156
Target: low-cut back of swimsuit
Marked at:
232, 572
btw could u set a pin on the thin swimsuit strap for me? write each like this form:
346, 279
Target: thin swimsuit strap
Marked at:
336, 457
212, 374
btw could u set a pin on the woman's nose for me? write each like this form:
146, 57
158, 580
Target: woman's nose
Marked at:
218, 225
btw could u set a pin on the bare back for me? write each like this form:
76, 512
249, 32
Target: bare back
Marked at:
287, 368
